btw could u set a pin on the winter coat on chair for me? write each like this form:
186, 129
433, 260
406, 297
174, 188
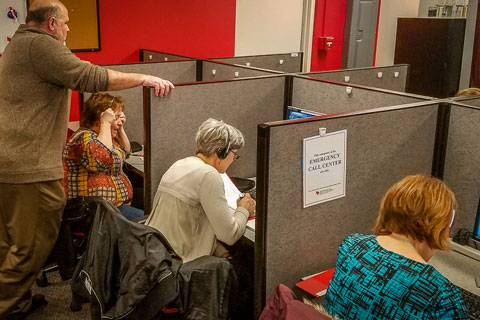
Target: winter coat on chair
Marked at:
128, 270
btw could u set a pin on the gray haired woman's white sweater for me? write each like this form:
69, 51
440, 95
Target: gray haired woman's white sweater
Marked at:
191, 211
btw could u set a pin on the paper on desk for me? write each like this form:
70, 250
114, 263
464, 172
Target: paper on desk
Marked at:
251, 224
231, 191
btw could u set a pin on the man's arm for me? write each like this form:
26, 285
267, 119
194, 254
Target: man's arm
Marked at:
120, 80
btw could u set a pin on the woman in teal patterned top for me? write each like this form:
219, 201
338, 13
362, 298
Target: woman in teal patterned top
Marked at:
386, 276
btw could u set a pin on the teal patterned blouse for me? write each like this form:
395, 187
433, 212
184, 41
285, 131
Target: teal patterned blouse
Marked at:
373, 283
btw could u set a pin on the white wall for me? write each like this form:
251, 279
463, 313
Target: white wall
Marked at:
9, 26
390, 10
424, 5
268, 26
468, 44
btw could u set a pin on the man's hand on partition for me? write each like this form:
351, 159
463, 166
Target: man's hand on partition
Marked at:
162, 87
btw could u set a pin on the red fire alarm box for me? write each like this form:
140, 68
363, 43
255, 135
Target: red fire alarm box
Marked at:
325, 43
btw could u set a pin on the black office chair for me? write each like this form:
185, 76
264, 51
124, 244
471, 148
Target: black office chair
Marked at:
72, 239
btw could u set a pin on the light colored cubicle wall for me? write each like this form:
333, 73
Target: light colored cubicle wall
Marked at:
174, 121
383, 145
212, 71
146, 55
285, 62
176, 72
391, 77
332, 97
462, 165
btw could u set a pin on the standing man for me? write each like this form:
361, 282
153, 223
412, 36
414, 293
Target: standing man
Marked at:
36, 73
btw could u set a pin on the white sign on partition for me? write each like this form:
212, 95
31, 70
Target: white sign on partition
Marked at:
324, 167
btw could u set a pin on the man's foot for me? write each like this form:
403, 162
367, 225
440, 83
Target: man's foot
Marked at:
38, 302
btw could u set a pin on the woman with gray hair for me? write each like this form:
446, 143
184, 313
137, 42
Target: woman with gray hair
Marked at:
190, 208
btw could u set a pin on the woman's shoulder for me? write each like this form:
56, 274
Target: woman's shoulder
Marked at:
82, 134
357, 238
192, 162
191, 170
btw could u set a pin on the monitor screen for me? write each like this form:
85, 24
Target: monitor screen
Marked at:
294, 113
476, 228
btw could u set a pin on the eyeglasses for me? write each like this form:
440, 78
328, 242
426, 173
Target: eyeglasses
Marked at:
235, 155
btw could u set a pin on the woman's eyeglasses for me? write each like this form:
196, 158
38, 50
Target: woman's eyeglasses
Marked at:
235, 155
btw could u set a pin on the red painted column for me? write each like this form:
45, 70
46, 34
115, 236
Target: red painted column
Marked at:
329, 22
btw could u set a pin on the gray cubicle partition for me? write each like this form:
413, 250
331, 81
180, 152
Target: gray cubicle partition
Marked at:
462, 165
390, 77
175, 71
179, 71
212, 71
329, 97
383, 145
174, 121
285, 62
146, 55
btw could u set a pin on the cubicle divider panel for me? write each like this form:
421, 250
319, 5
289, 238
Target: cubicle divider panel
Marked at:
174, 71
242, 103
221, 71
184, 71
391, 78
285, 62
468, 100
332, 97
146, 55
462, 168
383, 145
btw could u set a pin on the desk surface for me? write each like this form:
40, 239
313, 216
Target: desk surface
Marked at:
457, 267
136, 162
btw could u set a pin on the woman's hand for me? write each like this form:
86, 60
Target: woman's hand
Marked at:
107, 116
227, 256
248, 203
122, 118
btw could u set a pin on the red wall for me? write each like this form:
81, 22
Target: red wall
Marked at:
329, 21
197, 28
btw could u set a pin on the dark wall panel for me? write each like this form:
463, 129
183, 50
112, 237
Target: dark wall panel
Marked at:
433, 47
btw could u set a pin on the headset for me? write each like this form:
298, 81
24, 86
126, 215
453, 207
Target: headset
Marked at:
223, 153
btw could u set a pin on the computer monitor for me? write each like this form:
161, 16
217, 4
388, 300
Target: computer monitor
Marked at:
476, 228
297, 113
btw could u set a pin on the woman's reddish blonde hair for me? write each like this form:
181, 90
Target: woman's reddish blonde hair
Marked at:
96, 104
419, 207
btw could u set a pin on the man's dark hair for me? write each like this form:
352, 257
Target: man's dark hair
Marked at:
42, 14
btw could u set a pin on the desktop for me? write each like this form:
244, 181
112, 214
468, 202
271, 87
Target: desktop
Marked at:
298, 113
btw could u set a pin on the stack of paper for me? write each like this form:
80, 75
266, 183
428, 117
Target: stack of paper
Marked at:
231, 191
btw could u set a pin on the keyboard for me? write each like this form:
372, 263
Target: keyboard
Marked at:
472, 302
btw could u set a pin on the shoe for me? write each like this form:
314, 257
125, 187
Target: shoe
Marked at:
38, 302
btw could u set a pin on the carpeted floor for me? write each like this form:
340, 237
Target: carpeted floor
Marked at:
58, 295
